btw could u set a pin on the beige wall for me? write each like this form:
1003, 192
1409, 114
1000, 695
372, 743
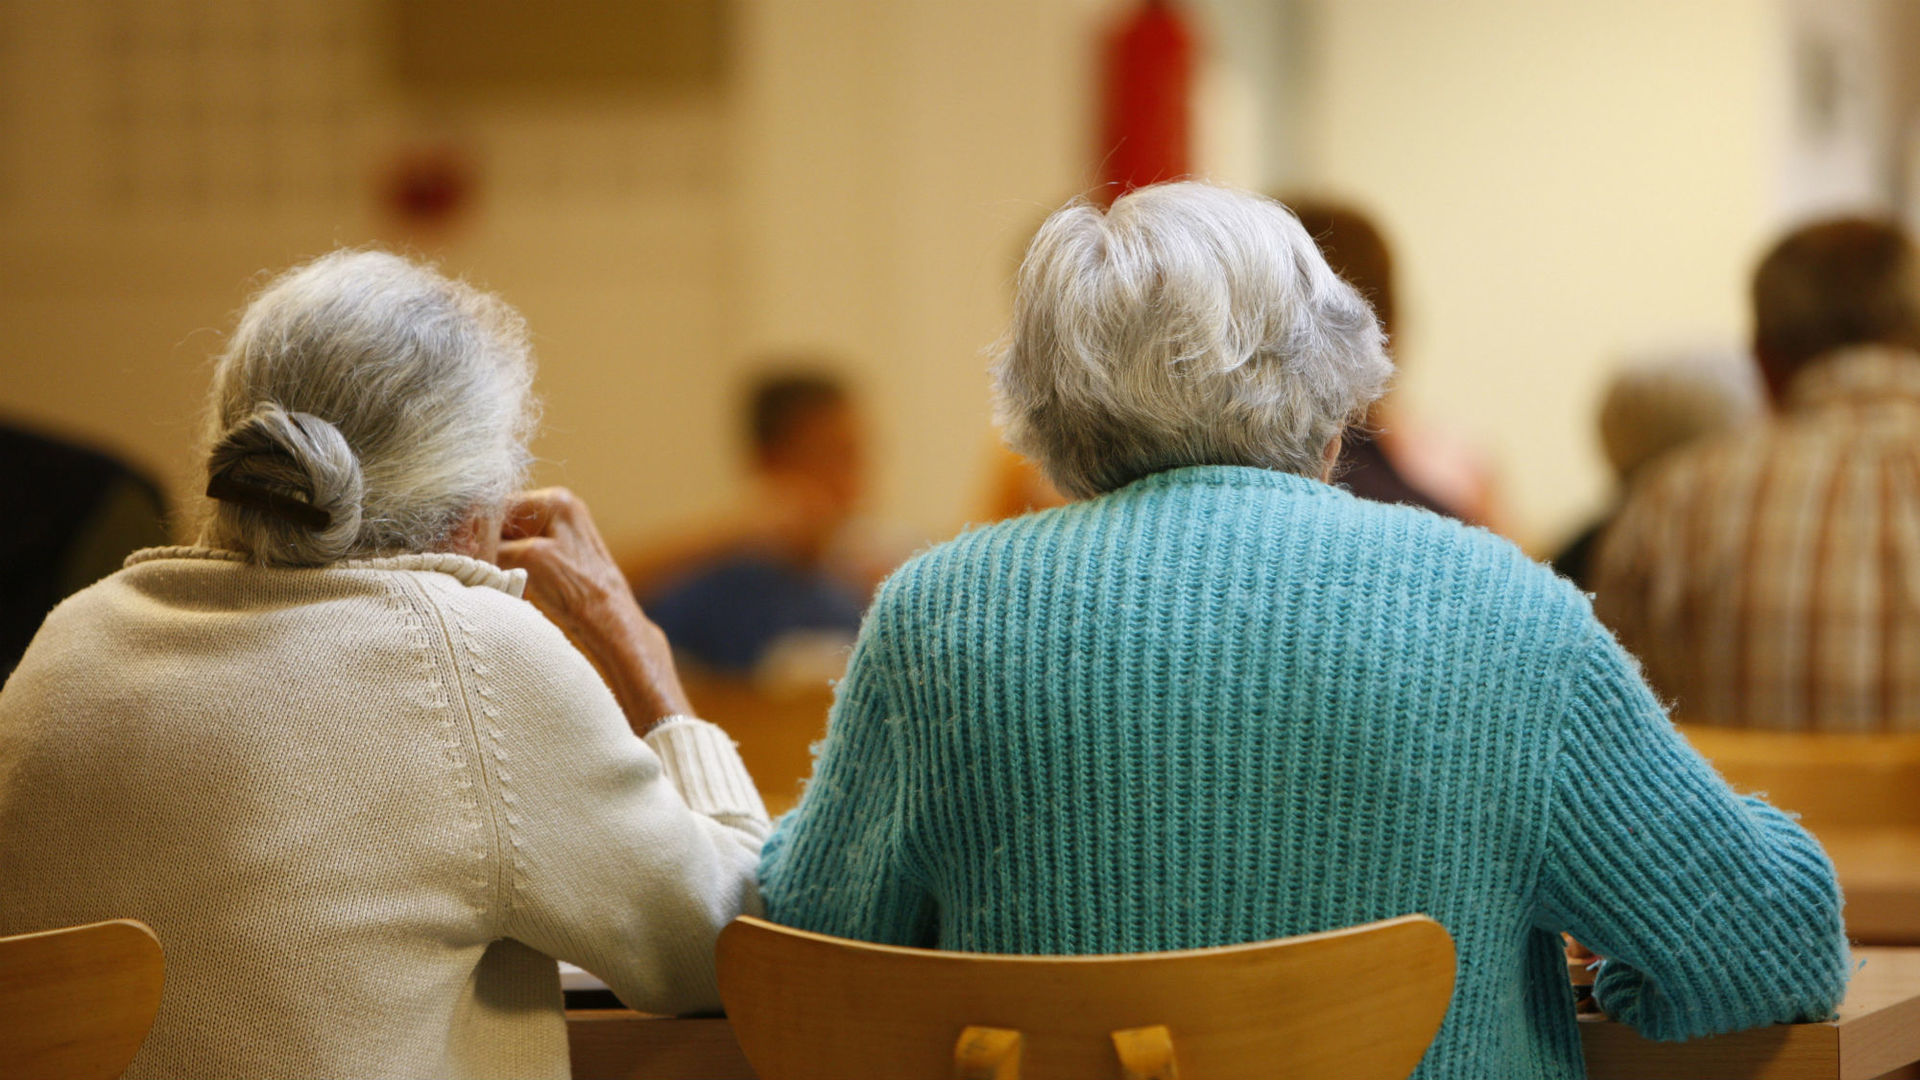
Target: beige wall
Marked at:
892, 159
1563, 183
861, 186
1571, 184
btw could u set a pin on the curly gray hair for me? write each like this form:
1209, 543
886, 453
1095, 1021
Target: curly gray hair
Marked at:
1190, 324
365, 405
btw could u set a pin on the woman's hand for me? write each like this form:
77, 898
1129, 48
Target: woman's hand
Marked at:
573, 580
1580, 964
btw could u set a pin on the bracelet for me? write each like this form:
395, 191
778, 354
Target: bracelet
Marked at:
672, 719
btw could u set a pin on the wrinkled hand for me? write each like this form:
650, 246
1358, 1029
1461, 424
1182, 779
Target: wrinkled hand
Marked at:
571, 577
1580, 961
573, 580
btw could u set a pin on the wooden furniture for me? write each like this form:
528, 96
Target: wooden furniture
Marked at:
618, 1044
811, 1007
1860, 794
75, 1004
1877, 1032
1834, 782
1879, 873
776, 730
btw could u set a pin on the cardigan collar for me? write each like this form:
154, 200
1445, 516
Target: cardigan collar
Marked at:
1232, 476
467, 571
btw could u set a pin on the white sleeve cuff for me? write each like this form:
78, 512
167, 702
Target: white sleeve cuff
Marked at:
703, 763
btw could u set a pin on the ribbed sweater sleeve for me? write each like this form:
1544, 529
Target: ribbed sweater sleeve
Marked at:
704, 765
1717, 912
625, 856
835, 863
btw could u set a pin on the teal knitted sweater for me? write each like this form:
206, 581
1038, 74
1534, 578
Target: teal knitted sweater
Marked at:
1226, 704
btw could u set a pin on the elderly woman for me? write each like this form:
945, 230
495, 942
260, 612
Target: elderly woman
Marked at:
363, 791
1219, 700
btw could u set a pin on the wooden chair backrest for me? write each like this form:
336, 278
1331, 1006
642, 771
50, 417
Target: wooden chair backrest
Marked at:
1354, 1004
76, 1003
1832, 780
776, 731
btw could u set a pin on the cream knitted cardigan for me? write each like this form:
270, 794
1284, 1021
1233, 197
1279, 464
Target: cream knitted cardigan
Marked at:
363, 807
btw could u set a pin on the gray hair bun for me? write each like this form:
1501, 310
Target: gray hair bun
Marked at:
288, 483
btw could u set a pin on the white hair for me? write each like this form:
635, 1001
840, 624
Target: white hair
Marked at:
365, 405
1660, 403
1190, 324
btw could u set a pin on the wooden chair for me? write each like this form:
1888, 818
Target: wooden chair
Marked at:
75, 1004
1832, 780
1860, 794
1354, 1004
776, 731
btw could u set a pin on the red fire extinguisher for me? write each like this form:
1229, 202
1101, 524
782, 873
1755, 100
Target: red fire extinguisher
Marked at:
1147, 107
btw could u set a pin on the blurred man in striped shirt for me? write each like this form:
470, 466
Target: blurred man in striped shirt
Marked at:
1771, 579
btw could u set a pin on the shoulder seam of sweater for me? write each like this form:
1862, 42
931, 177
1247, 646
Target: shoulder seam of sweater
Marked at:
500, 899
893, 724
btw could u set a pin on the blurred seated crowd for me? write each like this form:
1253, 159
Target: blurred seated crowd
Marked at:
776, 591
1390, 457
81, 512
1766, 577
1754, 556
1233, 652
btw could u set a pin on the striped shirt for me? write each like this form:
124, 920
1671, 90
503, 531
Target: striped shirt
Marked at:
1771, 579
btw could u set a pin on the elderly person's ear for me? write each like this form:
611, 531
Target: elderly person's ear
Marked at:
1330, 457
478, 536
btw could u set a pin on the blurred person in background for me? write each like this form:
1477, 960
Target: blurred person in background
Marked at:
777, 592
1015, 486
73, 514
1391, 458
363, 792
1216, 699
1651, 408
1767, 579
